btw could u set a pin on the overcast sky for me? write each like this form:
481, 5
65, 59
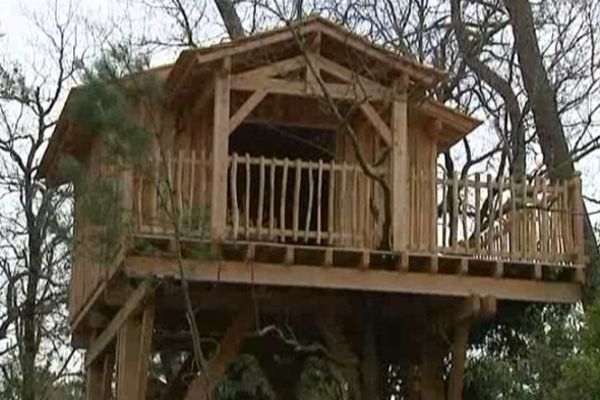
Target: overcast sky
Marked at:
21, 41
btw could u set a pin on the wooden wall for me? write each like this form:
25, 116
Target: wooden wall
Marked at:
422, 158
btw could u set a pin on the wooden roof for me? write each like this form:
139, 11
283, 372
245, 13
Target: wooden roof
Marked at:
193, 68
263, 48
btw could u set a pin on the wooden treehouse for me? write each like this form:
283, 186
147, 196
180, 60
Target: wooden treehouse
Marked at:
281, 151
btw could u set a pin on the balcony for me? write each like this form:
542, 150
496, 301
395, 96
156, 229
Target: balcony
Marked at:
333, 207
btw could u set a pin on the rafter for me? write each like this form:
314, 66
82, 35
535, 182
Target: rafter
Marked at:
246, 109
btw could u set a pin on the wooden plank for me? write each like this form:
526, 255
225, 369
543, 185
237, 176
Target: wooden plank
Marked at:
514, 249
261, 196
375, 119
454, 215
271, 199
340, 91
477, 213
296, 209
283, 199
491, 214
310, 202
246, 108
273, 69
218, 205
465, 221
578, 220
459, 353
132, 306
247, 197
234, 197
319, 198
501, 226
343, 206
133, 356
99, 378
399, 166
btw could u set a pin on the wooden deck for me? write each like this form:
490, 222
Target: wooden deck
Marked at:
271, 264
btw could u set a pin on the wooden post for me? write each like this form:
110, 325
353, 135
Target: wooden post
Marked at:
99, 378
578, 235
399, 165
134, 344
218, 212
459, 353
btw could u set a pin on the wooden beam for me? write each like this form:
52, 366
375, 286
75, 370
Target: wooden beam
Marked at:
378, 123
130, 308
99, 378
356, 279
202, 386
312, 53
459, 354
218, 205
342, 91
399, 167
134, 345
349, 76
246, 109
273, 69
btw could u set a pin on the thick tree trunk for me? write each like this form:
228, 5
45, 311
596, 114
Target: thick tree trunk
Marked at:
231, 19
550, 131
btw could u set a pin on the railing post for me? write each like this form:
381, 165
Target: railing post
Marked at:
399, 165
218, 204
577, 214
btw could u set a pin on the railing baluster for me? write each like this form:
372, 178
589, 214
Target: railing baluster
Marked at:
247, 199
367, 233
283, 199
524, 221
310, 201
513, 220
491, 214
272, 198
330, 205
544, 221
179, 188
261, 197
355, 211
296, 215
535, 218
192, 194
501, 221
319, 195
465, 221
454, 221
234, 199
477, 213
343, 206
445, 210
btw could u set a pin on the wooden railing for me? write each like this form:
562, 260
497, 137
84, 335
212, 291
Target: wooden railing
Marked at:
173, 188
299, 201
535, 220
328, 203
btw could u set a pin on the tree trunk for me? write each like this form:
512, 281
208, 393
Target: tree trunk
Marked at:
550, 131
231, 19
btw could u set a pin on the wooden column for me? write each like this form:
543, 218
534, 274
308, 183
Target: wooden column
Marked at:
99, 378
134, 345
218, 205
459, 354
399, 166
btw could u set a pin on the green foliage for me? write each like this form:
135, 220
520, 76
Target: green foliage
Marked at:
319, 380
244, 380
522, 357
113, 92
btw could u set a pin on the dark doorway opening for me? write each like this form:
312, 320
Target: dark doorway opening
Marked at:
283, 142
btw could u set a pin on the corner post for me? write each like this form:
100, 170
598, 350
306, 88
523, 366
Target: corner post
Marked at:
134, 346
577, 210
399, 165
218, 212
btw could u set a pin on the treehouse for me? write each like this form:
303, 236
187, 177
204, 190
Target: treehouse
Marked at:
302, 161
